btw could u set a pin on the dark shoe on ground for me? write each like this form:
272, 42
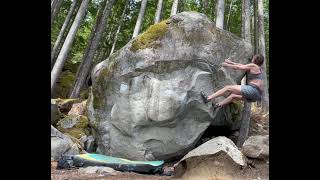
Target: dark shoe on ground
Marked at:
204, 97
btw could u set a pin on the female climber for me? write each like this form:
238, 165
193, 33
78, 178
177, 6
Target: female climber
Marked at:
251, 92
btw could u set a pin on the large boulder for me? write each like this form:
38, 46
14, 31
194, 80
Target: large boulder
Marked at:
62, 145
256, 147
74, 125
219, 157
145, 102
77, 126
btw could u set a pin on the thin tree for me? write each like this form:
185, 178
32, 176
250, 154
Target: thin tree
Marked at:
220, 14
140, 18
62, 31
59, 47
174, 7
213, 10
57, 68
256, 29
92, 34
119, 27
204, 6
53, 5
245, 33
253, 31
55, 10
158, 12
229, 13
262, 51
85, 65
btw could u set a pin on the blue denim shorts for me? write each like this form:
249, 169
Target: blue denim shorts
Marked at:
251, 92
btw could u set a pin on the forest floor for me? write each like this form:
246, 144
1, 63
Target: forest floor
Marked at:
260, 170
74, 174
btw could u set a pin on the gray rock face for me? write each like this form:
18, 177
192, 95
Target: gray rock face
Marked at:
61, 145
145, 102
98, 169
256, 147
219, 152
74, 125
55, 113
217, 145
89, 144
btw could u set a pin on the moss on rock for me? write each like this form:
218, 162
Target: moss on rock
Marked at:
74, 125
153, 33
235, 110
102, 82
64, 84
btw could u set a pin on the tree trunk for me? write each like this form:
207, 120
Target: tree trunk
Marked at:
102, 46
101, 51
55, 10
62, 31
92, 34
158, 12
119, 27
245, 124
57, 68
245, 33
140, 18
84, 68
213, 10
228, 18
204, 6
53, 5
181, 6
66, 32
220, 14
253, 32
262, 51
256, 32
174, 7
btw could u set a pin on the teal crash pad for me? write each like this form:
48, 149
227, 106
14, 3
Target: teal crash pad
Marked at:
119, 164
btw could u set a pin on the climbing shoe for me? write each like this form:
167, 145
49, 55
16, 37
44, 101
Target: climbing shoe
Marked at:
204, 97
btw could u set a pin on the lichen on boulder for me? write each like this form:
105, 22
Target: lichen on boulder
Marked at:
74, 125
148, 38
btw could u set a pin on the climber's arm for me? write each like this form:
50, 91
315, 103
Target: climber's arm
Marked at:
243, 67
231, 62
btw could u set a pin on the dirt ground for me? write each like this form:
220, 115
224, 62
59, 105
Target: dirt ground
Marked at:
258, 170
73, 174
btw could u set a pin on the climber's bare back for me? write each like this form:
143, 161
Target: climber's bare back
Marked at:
255, 69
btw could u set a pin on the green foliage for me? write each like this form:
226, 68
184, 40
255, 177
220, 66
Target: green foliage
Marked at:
191, 5
233, 24
235, 16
